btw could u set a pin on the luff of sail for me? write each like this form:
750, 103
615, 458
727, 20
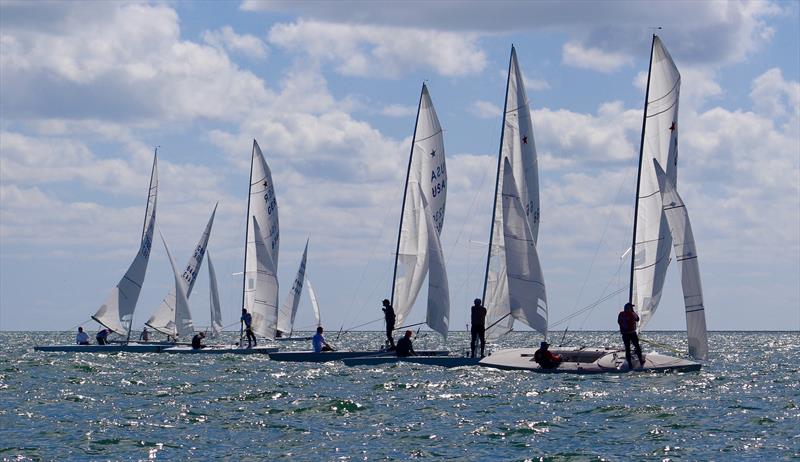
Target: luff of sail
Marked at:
652, 241
264, 308
438, 314
116, 313
686, 255
213, 293
184, 327
263, 206
517, 145
526, 289
166, 319
427, 171
288, 310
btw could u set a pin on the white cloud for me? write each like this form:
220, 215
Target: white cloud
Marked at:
577, 55
373, 51
775, 97
226, 38
398, 110
485, 110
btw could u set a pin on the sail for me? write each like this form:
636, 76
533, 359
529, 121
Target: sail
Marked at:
426, 171
263, 288
314, 305
183, 318
652, 240
438, 314
517, 145
263, 207
216, 311
526, 290
686, 255
288, 310
116, 313
165, 318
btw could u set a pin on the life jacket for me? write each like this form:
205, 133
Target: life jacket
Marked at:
627, 321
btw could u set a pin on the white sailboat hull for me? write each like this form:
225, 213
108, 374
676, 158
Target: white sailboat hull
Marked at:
220, 350
441, 361
587, 361
112, 348
311, 357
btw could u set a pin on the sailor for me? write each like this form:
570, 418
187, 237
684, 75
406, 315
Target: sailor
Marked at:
145, 335
102, 337
388, 313
82, 338
405, 347
197, 341
478, 328
247, 320
318, 342
546, 358
627, 320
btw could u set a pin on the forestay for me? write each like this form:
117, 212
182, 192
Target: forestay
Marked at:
686, 254
526, 289
166, 318
116, 313
264, 308
517, 145
183, 326
288, 310
216, 310
427, 172
652, 240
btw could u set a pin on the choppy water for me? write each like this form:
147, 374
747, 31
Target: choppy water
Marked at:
743, 405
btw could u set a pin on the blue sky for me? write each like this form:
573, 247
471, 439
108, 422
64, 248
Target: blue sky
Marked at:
329, 90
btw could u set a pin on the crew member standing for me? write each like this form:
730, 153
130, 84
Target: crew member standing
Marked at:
478, 328
627, 320
247, 319
388, 313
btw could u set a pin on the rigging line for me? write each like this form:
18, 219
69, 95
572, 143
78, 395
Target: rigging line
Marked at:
588, 307
610, 281
662, 345
362, 325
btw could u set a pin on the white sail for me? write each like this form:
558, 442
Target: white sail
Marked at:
165, 319
183, 317
288, 310
216, 310
438, 314
426, 171
263, 207
686, 255
314, 305
659, 142
517, 145
116, 313
264, 308
526, 289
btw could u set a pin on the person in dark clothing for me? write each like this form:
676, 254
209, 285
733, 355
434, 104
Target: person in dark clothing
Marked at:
405, 347
247, 320
197, 341
478, 328
102, 337
546, 358
627, 320
388, 313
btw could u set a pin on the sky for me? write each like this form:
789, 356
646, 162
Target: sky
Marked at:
329, 90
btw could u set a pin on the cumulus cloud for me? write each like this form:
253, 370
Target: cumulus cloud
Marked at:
373, 51
772, 95
398, 110
485, 109
227, 39
577, 55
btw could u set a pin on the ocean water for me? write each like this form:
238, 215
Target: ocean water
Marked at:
743, 405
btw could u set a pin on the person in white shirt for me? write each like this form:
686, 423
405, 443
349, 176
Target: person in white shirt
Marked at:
82, 338
318, 342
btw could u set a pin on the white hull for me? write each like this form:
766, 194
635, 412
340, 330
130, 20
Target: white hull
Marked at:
441, 361
310, 356
112, 348
587, 361
220, 350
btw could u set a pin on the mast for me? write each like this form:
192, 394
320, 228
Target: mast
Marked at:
405, 193
247, 226
497, 179
639, 173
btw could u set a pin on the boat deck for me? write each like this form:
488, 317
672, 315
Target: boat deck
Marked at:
587, 361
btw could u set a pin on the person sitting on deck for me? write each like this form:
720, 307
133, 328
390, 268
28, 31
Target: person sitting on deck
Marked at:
145, 335
546, 358
318, 342
197, 341
102, 337
82, 338
627, 320
405, 347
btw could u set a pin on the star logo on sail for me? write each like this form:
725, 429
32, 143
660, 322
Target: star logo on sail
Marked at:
524, 140
433, 153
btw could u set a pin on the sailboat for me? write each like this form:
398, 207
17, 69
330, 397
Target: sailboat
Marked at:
116, 313
658, 209
288, 311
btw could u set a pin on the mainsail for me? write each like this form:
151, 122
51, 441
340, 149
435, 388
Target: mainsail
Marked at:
216, 311
686, 255
517, 145
116, 313
260, 289
651, 239
288, 310
184, 326
427, 175
526, 290
166, 318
